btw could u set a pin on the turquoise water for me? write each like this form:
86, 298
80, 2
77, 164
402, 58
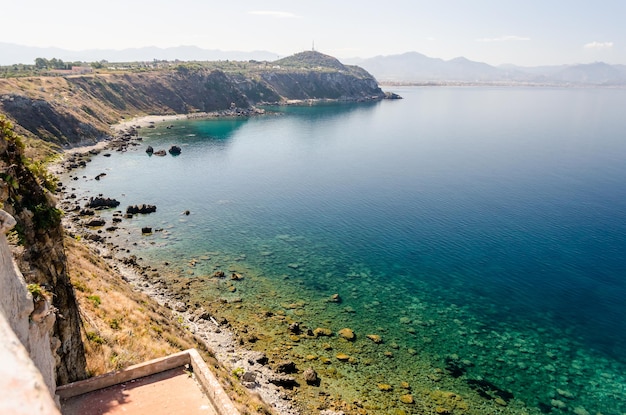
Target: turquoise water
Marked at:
480, 231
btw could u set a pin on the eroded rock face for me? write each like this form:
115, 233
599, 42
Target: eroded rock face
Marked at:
43, 258
94, 103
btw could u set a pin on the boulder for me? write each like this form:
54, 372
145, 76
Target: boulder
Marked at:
375, 338
96, 222
321, 331
143, 208
102, 202
175, 150
286, 367
347, 334
294, 328
284, 381
149, 150
160, 153
311, 377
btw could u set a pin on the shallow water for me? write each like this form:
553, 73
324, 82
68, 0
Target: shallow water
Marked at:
479, 231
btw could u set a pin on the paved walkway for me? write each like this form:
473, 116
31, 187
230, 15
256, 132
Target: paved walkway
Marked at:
169, 392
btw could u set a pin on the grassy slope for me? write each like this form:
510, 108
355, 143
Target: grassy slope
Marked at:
122, 327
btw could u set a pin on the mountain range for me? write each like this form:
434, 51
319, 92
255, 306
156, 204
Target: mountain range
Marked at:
410, 67
414, 67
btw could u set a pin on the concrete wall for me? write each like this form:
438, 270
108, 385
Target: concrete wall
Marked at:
27, 351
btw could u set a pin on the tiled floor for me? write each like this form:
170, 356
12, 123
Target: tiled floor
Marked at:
171, 392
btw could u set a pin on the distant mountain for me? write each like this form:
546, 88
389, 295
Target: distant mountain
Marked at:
11, 54
413, 67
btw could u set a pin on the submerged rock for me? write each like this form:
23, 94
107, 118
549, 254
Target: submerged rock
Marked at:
408, 399
294, 328
347, 334
311, 377
375, 338
320, 331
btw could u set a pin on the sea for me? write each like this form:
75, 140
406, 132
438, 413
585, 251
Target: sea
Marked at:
472, 238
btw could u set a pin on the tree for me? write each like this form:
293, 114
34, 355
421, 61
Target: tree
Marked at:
41, 63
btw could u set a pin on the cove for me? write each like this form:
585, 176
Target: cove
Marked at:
478, 231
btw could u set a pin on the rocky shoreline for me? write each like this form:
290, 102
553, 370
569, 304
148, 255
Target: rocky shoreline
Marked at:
253, 371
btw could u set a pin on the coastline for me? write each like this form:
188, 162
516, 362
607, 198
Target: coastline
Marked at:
217, 336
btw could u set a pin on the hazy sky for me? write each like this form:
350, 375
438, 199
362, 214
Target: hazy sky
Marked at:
522, 32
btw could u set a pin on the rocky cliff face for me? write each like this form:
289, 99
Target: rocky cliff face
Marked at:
41, 256
71, 110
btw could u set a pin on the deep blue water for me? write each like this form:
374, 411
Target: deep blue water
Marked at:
509, 203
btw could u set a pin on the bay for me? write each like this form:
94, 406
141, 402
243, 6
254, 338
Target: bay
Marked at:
479, 231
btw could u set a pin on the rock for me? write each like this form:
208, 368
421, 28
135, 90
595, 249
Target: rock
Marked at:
294, 328
565, 393
143, 209
249, 377
102, 202
347, 334
342, 357
283, 381
175, 150
311, 377
160, 153
407, 399
260, 358
318, 332
146, 230
335, 298
180, 307
375, 338
558, 404
286, 367
219, 274
500, 402
149, 150
579, 410
385, 387
101, 175
235, 277
95, 222
86, 212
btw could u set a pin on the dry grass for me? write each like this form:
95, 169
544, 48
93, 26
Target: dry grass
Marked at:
122, 327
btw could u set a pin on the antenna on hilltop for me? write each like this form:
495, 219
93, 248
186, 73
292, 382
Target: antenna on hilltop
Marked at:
313, 47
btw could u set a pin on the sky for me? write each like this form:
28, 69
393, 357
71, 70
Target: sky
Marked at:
520, 32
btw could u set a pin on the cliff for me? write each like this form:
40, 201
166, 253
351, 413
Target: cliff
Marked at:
41, 258
66, 111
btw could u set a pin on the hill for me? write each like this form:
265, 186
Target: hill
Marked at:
70, 109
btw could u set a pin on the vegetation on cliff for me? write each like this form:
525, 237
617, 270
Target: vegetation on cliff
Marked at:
41, 256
